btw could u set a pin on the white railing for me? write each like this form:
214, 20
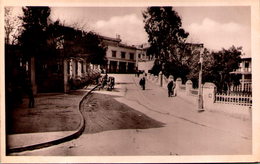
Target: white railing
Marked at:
239, 88
244, 70
235, 99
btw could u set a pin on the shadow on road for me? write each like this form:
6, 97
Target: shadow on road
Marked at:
102, 113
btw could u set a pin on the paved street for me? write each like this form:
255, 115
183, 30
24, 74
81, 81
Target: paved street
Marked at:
184, 130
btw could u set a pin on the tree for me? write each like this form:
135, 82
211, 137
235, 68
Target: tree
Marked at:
224, 62
34, 35
95, 48
157, 67
166, 37
194, 66
12, 27
34, 40
80, 43
217, 67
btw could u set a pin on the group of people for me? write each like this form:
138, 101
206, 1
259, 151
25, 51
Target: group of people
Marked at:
109, 82
170, 86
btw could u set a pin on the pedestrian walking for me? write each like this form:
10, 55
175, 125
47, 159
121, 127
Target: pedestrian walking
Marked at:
170, 88
142, 82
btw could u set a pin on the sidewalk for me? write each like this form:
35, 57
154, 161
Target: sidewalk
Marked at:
55, 117
155, 97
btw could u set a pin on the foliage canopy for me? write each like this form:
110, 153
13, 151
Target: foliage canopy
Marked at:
44, 38
175, 57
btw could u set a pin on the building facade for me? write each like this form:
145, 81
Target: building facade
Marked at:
122, 58
245, 73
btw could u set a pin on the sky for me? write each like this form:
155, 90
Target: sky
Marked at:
107, 21
218, 27
215, 27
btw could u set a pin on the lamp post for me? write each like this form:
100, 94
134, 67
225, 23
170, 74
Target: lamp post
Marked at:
161, 75
200, 98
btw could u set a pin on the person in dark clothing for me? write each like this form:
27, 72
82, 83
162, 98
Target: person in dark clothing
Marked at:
142, 82
104, 81
170, 88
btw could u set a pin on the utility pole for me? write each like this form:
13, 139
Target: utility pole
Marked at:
200, 98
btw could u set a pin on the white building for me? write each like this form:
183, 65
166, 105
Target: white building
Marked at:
122, 58
245, 71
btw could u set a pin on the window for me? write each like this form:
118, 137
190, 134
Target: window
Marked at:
113, 53
122, 54
131, 55
139, 55
246, 64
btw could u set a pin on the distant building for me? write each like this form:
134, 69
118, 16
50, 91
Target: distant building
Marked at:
122, 58
141, 53
245, 73
144, 62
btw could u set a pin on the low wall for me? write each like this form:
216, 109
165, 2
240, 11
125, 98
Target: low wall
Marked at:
190, 98
209, 104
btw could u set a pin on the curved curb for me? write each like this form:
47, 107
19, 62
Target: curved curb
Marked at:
75, 135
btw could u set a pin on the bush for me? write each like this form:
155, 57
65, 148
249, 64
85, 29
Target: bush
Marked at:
81, 82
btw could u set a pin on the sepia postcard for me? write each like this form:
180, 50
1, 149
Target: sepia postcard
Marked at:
130, 81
